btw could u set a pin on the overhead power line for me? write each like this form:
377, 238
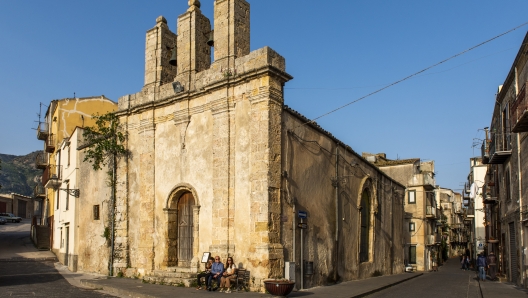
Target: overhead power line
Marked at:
413, 75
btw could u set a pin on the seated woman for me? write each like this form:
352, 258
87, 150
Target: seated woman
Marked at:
205, 274
228, 276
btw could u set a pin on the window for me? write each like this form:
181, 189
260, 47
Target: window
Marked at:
365, 227
412, 196
412, 226
57, 198
507, 184
412, 254
69, 154
67, 196
96, 212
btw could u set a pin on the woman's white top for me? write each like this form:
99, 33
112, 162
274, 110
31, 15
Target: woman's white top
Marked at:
231, 270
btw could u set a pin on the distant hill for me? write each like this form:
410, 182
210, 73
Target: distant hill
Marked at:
18, 173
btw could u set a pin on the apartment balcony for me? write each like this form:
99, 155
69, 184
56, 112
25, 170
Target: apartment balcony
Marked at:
39, 192
488, 199
52, 176
499, 147
42, 131
470, 214
425, 179
438, 239
430, 240
457, 208
41, 161
519, 112
50, 143
430, 212
484, 149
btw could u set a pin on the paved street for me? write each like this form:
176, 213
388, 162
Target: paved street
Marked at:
28, 272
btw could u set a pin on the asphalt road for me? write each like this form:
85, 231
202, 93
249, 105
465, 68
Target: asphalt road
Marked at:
448, 281
28, 272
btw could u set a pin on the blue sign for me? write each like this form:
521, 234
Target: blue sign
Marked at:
302, 214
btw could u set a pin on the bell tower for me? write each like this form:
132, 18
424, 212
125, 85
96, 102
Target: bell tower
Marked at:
231, 30
159, 44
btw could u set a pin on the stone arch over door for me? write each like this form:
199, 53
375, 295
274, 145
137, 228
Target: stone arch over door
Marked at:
366, 204
182, 210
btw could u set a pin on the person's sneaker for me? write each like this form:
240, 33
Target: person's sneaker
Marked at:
221, 290
228, 291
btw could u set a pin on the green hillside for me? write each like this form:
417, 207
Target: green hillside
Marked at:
18, 173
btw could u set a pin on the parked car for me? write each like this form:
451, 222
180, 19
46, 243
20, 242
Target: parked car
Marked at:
10, 217
3, 221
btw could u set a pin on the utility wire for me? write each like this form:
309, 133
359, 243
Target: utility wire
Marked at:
413, 75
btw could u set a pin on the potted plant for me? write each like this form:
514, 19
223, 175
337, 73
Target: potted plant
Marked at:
279, 286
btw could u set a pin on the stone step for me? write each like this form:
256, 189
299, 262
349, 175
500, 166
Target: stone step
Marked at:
170, 281
180, 269
160, 273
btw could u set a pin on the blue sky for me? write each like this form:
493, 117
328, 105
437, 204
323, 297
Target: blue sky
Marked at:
337, 51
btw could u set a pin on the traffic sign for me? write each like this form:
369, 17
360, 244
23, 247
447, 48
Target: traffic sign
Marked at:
302, 214
302, 226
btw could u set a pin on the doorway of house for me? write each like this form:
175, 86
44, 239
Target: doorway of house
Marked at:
185, 229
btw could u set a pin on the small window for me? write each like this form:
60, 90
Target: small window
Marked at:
96, 212
412, 226
57, 198
412, 196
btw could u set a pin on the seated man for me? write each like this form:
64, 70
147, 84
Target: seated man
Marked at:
216, 273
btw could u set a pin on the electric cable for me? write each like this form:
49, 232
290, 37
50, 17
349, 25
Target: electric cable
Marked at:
412, 75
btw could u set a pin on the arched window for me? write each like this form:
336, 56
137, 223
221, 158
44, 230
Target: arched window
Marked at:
365, 227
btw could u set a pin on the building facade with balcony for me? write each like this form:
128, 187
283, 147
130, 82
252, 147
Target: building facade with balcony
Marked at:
61, 118
505, 151
421, 228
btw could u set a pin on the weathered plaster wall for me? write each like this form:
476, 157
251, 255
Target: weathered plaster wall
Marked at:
309, 168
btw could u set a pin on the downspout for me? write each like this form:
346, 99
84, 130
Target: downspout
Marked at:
336, 186
113, 215
523, 256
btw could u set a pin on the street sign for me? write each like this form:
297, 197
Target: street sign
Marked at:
302, 226
302, 214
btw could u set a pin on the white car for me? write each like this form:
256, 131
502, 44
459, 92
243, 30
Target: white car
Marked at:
10, 217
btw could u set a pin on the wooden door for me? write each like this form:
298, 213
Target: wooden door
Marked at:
185, 229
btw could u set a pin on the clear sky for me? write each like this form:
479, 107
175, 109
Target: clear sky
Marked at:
337, 51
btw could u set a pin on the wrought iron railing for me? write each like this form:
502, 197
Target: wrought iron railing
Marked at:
518, 107
42, 131
51, 171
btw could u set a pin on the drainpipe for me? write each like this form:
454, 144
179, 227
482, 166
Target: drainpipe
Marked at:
113, 215
523, 256
336, 214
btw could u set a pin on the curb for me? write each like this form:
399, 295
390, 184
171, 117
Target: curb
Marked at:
18, 259
113, 290
385, 287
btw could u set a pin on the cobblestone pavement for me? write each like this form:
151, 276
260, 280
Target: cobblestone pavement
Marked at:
448, 281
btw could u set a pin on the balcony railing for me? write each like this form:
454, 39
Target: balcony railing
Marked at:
519, 112
42, 131
457, 207
484, 149
430, 212
499, 147
423, 179
50, 143
39, 191
51, 171
41, 161
470, 213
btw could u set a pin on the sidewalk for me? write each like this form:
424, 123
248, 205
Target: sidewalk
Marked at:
497, 289
126, 287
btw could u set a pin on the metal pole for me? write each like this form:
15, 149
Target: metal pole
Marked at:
302, 257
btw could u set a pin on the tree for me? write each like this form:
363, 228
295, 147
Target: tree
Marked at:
104, 146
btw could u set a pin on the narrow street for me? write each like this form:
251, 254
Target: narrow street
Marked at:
28, 272
448, 281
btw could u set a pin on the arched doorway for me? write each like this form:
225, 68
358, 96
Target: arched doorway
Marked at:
365, 227
181, 229
185, 225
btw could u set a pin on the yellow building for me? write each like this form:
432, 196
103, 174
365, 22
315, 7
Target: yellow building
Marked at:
60, 120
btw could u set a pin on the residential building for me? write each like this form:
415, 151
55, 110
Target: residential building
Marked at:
423, 237
218, 164
459, 234
61, 118
20, 205
505, 151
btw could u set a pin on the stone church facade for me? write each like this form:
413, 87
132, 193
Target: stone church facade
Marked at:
219, 164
